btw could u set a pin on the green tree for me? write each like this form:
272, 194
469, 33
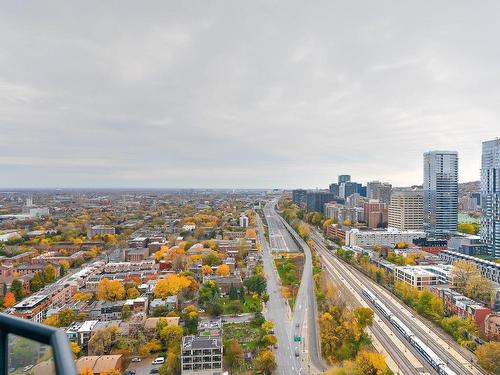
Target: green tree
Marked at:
126, 312
256, 284
37, 282
65, 317
233, 292
49, 274
208, 291
17, 288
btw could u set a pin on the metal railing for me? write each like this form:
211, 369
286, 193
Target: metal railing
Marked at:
63, 357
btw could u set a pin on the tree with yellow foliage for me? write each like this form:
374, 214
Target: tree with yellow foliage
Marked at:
133, 293
75, 349
370, 363
223, 270
267, 326
51, 321
170, 286
110, 290
82, 296
488, 356
461, 273
111, 371
86, 371
206, 270
265, 362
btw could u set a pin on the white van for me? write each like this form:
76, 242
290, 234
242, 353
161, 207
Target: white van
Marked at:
159, 361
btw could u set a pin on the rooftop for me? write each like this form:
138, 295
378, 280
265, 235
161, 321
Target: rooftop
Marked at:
199, 342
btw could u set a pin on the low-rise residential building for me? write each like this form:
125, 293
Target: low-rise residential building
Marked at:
136, 254
171, 303
33, 308
489, 270
225, 282
30, 269
201, 355
492, 327
99, 230
458, 304
421, 277
384, 237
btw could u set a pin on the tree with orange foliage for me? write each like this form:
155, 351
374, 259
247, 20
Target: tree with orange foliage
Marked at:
206, 270
86, 371
223, 270
9, 300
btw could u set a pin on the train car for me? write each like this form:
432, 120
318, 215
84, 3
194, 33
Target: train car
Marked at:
382, 308
401, 327
426, 352
369, 294
445, 370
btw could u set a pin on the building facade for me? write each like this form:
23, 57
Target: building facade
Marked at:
406, 210
389, 237
490, 270
315, 200
299, 196
440, 192
375, 213
490, 197
201, 355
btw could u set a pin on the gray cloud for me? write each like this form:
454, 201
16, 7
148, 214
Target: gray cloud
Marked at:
243, 94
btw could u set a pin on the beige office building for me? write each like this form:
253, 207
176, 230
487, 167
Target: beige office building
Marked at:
406, 211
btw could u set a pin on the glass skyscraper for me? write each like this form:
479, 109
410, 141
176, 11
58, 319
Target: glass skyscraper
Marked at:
490, 197
440, 192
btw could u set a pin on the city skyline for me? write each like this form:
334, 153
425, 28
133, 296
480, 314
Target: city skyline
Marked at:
197, 96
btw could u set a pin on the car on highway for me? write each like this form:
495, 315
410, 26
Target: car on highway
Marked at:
129, 372
297, 325
154, 370
297, 352
276, 346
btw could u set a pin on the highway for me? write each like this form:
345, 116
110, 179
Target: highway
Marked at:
278, 311
449, 351
280, 239
304, 322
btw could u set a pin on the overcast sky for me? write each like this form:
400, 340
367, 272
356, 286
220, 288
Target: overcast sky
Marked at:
243, 93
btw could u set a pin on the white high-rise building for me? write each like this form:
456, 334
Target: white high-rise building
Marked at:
243, 221
406, 211
490, 197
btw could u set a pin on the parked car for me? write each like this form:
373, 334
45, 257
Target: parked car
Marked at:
159, 361
136, 359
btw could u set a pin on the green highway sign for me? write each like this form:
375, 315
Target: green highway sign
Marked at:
297, 338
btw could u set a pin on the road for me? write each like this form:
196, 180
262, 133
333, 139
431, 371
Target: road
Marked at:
304, 322
280, 239
449, 351
277, 310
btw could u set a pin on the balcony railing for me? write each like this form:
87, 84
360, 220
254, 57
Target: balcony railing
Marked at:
56, 339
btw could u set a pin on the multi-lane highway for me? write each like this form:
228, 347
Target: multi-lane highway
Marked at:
277, 310
304, 322
280, 239
443, 346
